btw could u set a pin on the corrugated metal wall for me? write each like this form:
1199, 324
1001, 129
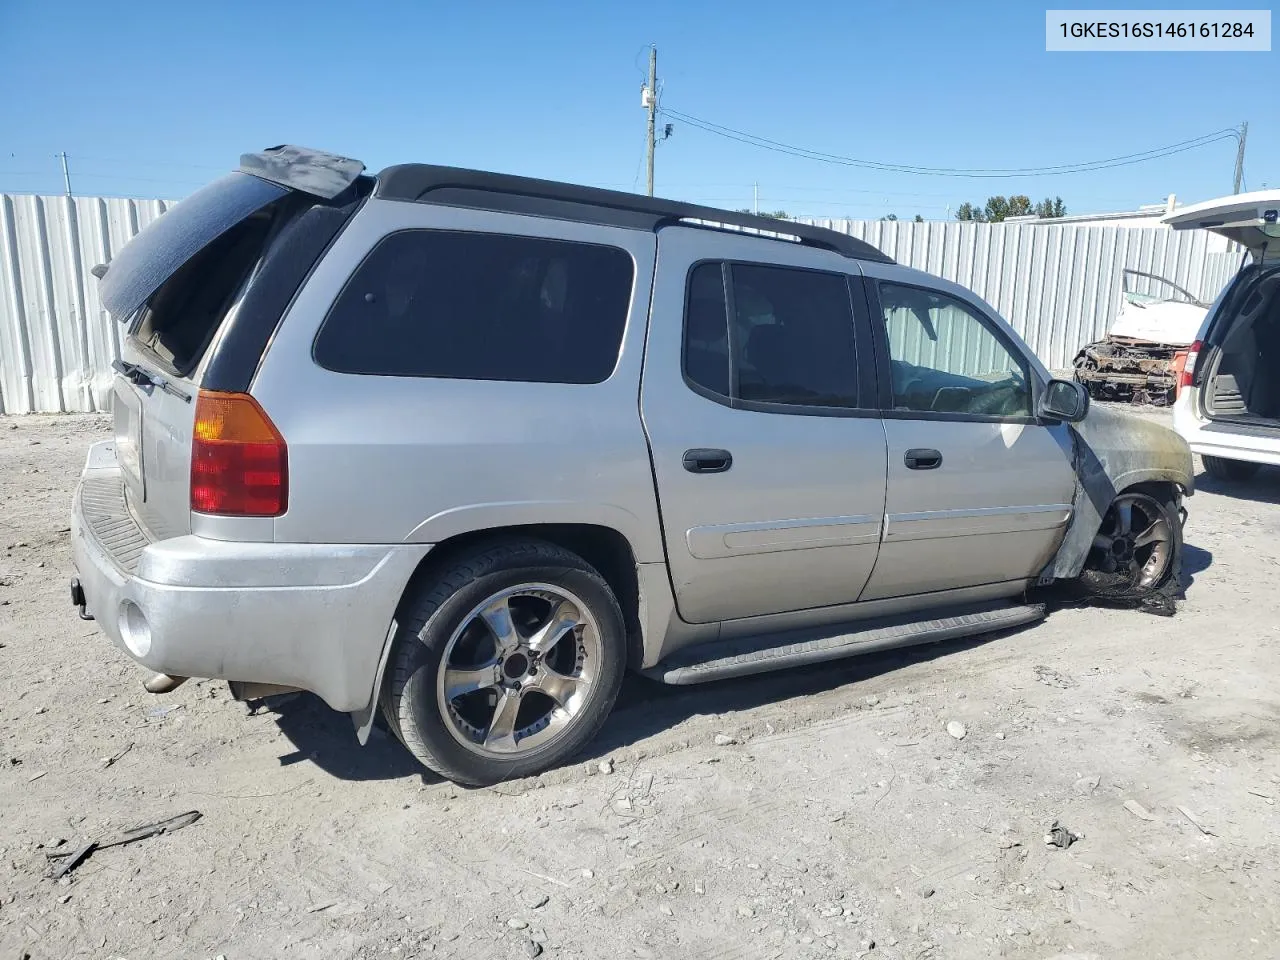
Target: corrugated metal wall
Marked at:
1058, 285
56, 341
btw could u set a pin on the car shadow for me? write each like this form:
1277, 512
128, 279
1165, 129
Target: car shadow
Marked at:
647, 707
327, 739
1262, 487
1194, 560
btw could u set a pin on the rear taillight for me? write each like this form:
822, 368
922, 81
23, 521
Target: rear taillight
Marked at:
239, 461
1184, 367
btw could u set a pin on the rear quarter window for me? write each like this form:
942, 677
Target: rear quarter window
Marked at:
476, 306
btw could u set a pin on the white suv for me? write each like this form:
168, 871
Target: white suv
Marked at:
1228, 406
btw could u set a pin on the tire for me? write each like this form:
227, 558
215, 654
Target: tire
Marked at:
532, 644
1220, 468
1120, 566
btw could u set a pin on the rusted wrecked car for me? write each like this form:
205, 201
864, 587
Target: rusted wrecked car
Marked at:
1134, 361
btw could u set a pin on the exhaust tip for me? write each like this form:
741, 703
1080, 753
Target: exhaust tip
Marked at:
163, 683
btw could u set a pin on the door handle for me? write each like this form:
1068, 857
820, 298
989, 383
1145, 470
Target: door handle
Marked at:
922, 458
707, 460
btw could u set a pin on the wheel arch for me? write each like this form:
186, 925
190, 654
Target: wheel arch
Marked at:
1090, 509
605, 548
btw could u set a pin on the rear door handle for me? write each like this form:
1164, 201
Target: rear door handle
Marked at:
707, 460
922, 458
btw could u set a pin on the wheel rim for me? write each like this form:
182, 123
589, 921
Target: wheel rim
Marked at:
518, 671
1135, 541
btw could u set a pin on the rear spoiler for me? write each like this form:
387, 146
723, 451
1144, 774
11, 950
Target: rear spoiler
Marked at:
308, 171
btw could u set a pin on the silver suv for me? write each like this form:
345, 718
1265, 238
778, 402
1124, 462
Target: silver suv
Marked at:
463, 447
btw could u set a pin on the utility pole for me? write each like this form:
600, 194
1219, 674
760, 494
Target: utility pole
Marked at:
1244, 135
651, 103
66, 172
755, 199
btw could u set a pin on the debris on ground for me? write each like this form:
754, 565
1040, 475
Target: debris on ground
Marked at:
605, 766
1138, 810
957, 729
1086, 785
1052, 678
1195, 822
71, 860
1060, 836
724, 740
116, 757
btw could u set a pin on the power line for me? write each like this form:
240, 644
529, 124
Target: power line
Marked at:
976, 172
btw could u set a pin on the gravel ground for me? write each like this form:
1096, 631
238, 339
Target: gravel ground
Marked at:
824, 812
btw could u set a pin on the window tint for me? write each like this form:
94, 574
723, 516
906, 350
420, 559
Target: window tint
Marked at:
474, 306
791, 341
945, 358
180, 318
706, 330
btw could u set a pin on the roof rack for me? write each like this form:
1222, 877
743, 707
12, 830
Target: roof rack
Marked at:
455, 186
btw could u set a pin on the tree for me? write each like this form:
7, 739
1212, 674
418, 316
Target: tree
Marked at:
999, 208
777, 214
1047, 209
1019, 206
919, 219
890, 216
996, 209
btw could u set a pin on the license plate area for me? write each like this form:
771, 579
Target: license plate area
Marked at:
128, 429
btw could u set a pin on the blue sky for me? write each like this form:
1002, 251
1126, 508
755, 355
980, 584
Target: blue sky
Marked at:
152, 98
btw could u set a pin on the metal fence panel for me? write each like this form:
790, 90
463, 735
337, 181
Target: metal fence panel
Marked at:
1058, 285
56, 341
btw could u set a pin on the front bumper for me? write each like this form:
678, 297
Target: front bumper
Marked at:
313, 616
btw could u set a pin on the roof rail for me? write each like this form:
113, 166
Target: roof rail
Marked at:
455, 186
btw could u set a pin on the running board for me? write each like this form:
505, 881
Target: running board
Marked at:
739, 658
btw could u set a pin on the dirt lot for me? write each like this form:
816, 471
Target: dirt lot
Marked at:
818, 813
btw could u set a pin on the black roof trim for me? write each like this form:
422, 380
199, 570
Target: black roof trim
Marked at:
456, 186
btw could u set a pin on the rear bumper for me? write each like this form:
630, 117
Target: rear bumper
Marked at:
1222, 439
313, 616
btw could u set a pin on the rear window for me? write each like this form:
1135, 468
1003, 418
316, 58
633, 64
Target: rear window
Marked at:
477, 306
180, 318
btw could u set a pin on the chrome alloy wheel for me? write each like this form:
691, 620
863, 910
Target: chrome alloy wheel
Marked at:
518, 671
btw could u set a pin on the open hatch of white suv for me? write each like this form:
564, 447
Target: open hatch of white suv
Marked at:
1228, 405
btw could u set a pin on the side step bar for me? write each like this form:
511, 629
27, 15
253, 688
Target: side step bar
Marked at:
740, 658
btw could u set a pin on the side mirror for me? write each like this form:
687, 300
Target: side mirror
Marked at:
1065, 401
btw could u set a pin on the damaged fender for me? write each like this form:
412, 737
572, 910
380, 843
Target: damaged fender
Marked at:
1115, 451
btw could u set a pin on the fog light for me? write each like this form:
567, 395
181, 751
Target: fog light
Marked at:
134, 629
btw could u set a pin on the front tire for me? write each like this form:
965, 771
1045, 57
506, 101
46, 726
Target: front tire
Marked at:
1234, 471
1137, 552
505, 664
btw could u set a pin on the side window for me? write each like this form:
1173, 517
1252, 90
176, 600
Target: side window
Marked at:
945, 358
477, 306
791, 340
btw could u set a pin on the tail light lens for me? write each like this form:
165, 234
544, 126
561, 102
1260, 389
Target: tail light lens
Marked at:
239, 461
1184, 367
